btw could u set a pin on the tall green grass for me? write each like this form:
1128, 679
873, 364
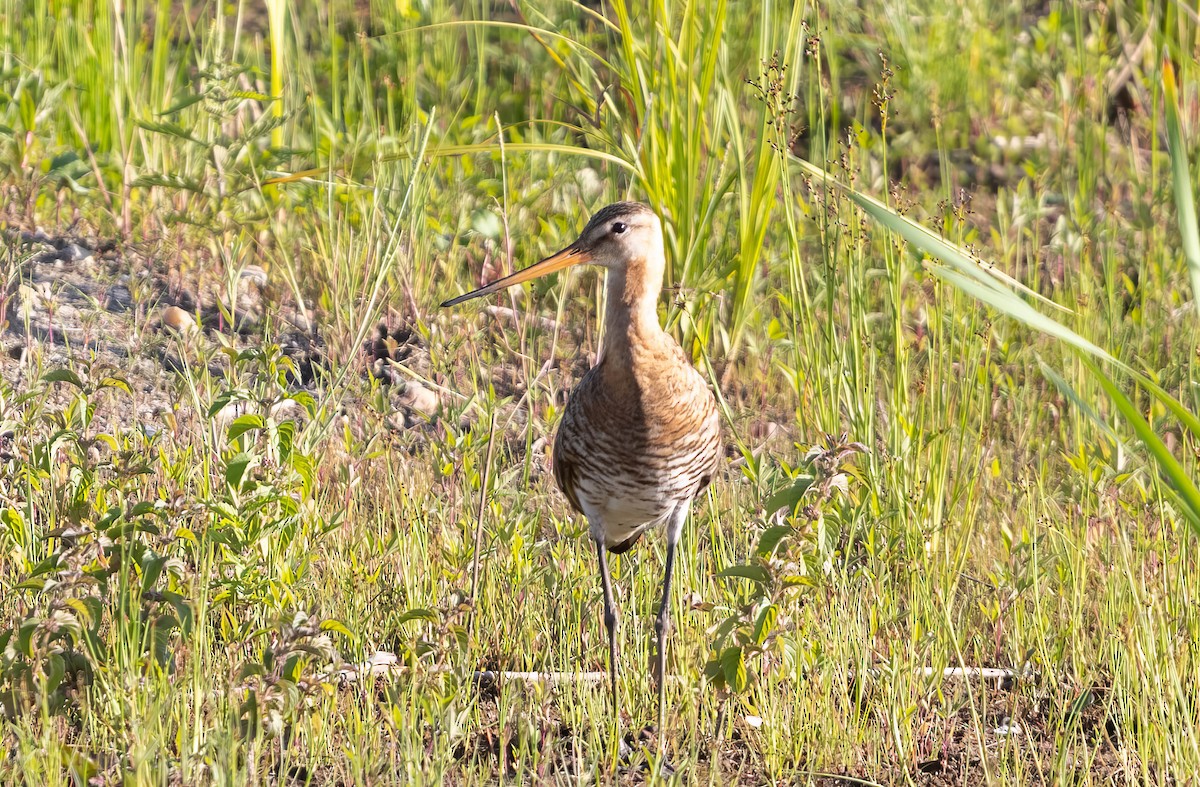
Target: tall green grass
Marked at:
935, 465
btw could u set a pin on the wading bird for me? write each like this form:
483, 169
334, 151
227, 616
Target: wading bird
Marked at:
640, 435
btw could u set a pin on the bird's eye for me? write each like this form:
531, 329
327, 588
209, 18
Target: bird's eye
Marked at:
618, 227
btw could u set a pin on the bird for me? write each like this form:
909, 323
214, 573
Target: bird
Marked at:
640, 436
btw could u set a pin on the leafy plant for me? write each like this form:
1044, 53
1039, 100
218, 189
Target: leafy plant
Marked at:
99, 565
790, 555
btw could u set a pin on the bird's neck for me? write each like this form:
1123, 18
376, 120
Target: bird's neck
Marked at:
631, 311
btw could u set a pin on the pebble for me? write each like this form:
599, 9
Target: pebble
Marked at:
179, 320
254, 274
73, 252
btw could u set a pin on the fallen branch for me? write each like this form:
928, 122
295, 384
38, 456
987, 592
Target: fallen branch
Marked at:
384, 664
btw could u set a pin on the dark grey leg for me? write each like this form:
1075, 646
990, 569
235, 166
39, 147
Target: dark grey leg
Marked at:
662, 627
610, 622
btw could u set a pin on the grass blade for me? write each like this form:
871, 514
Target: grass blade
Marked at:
1185, 205
1183, 485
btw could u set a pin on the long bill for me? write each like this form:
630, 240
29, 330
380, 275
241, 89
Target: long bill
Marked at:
572, 255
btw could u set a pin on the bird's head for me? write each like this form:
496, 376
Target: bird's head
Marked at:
620, 237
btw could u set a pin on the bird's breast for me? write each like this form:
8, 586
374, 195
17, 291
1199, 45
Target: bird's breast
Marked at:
636, 442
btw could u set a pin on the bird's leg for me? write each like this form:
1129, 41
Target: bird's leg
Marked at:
610, 622
662, 624
662, 627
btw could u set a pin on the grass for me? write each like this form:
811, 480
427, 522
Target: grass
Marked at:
928, 466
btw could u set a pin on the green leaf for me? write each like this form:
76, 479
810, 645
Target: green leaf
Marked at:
235, 469
423, 615
46, 566
768, 542
712, 671
1011, 304
250, 670
56, 670
733, 666
291, 667
765, 623
86, 613
285, 435
244, 424
25, 636
62, 376
338, 626
724, 630
115, 382
790, 496
183, 610
151, 571
219, 404
140, 509
752, 573
164, 625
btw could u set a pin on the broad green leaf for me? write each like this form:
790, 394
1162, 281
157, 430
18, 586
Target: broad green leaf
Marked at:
338, 626
789, 496
244, 424
45, 566
236, 469
25, 636
151, 571
62, 376
219, 404
764, 624
56, 670
423, 615
769, 541
733, 665
140, 509
115, 382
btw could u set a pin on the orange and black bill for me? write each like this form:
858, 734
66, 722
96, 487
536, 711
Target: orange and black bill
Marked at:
572, 255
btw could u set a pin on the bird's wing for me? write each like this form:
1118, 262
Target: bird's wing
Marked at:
564, 460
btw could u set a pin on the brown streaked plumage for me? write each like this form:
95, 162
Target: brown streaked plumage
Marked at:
640, 435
